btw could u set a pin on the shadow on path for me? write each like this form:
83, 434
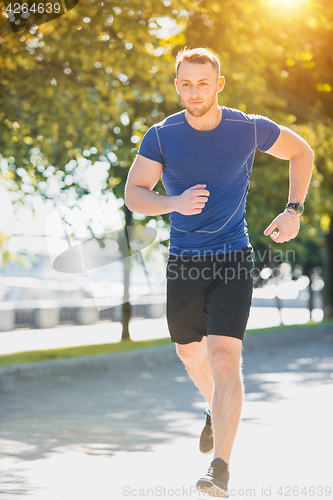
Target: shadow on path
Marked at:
306, 364
104, 413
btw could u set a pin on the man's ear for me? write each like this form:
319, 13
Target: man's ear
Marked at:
176, 83
220, 83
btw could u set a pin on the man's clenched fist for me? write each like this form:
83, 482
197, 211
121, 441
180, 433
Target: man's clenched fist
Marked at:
193, 200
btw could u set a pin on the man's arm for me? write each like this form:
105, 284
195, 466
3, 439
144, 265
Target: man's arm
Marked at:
290, 146
140, 197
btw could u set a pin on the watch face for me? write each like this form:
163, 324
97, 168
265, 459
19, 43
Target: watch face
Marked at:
298, 207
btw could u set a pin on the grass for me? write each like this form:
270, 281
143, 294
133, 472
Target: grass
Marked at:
126, 345
75, 352
288, 327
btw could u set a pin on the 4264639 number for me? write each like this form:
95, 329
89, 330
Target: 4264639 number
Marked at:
35, 8
310, 491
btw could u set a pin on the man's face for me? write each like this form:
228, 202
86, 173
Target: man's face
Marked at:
197, 84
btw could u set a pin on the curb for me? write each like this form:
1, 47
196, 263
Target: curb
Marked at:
266, 340
115, 363
124, 362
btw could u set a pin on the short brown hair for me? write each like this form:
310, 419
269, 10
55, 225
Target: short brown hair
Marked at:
199, 56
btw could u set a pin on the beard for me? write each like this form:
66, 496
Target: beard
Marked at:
197, 111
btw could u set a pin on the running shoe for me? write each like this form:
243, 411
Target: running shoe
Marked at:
215, 482
206, 444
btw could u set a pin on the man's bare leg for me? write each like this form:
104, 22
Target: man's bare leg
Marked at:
214, 365
195, 359
224, 354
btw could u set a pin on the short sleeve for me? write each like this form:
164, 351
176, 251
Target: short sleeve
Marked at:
267, 132
150, 146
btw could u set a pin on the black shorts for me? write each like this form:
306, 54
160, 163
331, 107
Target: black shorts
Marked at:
209, 295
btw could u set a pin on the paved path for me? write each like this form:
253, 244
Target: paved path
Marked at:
104, 436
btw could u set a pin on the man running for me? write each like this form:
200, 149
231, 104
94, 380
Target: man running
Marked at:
205, 156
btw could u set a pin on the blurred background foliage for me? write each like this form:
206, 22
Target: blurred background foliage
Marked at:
89, 84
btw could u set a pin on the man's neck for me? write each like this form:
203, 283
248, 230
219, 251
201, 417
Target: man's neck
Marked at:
208, 121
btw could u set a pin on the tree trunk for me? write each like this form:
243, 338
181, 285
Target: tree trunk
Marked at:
126, 307
278, 306
328, 288
310, 292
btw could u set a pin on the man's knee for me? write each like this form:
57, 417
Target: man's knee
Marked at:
193, 352
225, 358
223, 362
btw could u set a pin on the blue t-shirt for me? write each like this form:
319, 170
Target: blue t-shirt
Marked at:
221, 158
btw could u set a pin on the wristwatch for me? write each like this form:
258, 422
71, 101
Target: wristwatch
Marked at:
298, 207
